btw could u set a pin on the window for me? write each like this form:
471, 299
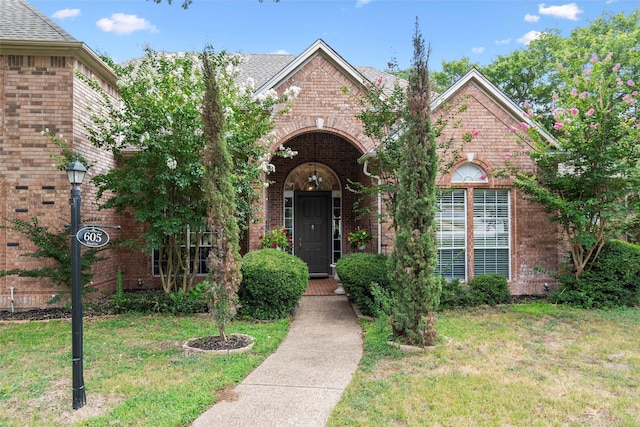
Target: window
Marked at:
491, 230
490, 236
469, 172
198, 260
451, 220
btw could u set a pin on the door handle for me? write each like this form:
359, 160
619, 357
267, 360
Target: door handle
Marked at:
300, 242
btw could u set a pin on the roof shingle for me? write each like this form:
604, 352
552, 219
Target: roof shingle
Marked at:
19, 20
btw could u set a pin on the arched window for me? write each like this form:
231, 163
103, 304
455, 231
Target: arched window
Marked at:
469, 173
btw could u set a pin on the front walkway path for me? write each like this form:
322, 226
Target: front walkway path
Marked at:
299, 384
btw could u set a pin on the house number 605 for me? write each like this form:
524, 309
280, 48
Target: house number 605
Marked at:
92, 237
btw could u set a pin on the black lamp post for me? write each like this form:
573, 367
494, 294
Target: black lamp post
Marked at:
75, 173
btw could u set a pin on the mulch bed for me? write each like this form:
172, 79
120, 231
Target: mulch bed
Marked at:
234, 342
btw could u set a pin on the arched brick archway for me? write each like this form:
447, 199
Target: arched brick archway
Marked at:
329, 152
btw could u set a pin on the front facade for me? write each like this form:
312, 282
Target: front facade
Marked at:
484, 225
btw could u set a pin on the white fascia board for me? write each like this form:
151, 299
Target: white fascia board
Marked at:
302, 59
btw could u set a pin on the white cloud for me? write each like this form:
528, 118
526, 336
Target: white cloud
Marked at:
66, 13
360, 3
280, 52
529, 37
120, 23
531, 18
566, 11
477, 49
503, 41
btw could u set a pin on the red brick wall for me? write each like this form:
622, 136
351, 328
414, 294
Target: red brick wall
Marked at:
38, 93
534, 239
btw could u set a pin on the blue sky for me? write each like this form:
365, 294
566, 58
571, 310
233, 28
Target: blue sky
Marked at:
363, 32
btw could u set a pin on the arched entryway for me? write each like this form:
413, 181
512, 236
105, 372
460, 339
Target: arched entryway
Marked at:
313, 215
318, 212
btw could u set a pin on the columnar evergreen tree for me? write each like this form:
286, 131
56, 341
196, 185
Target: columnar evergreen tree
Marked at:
224, 270
415, 256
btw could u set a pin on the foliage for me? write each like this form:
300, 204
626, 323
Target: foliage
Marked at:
452, 71
359, 237
54, 246
152, 301
490, 289
224, 272
531, 74
588, 178
276, 238
414, 258
612, 280
366, 279
454, 294
272, 284
154, 131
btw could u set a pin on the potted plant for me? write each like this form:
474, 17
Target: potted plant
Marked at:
359, 238
276, 239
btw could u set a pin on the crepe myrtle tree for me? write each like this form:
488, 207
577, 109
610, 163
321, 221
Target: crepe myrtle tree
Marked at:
155, 132
588, 178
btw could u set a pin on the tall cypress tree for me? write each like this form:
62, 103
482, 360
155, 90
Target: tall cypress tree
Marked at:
223, 262
415, 256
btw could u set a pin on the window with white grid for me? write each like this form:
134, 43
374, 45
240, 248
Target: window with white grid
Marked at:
451, 222
491, 231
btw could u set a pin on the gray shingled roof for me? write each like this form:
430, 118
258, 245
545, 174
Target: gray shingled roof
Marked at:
19, 20
261, 67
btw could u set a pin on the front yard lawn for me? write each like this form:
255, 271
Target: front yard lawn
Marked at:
521, 365
135, 372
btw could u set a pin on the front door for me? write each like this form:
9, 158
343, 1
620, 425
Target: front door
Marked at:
312, 230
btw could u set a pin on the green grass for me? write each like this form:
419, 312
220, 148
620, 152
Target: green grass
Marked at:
522, 365
135, 372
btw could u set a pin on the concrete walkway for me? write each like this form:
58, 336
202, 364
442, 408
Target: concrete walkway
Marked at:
299, 384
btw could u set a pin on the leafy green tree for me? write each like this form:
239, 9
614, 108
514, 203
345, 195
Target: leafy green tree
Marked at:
224, 269
530, 75
451, 72
155, 134
414, 257
588, 179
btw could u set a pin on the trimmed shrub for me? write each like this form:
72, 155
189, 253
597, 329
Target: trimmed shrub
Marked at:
365, 277
612, 280
490, 289
272, 283
453, 294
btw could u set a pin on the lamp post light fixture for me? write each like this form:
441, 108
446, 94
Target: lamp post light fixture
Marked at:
75, 173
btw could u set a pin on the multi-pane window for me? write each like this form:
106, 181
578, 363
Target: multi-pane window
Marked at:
198, 260
451, 220
491, 228
490, 236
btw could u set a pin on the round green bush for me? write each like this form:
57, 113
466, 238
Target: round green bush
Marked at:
365, 277
489, 289
612, 280
272, 283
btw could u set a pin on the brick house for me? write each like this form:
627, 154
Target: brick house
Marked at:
484, 224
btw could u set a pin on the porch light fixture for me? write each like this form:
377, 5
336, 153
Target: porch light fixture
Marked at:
76, 172
314, 180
